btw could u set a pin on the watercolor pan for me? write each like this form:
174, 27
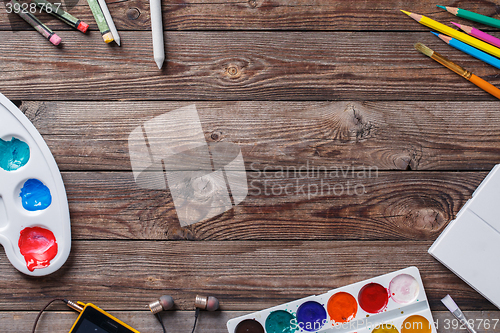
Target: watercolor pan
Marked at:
390, 303
35, 227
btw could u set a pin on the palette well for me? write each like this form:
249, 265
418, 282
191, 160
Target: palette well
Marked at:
390, 303
34, 215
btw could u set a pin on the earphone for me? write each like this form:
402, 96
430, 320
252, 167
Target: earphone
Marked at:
163, 304
209, 303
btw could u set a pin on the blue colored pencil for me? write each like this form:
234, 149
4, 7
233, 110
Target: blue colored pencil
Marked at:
495, 62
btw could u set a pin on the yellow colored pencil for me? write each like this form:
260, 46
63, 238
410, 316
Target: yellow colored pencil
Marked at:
479, 44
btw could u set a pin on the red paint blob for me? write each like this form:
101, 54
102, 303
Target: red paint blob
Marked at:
373, 298
38, 246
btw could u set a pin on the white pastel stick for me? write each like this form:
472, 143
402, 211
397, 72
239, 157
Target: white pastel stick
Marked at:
109, 21
157, 31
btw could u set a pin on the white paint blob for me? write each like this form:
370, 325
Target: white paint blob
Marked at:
404, 289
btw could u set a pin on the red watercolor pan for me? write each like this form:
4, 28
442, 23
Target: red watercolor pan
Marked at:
373, 298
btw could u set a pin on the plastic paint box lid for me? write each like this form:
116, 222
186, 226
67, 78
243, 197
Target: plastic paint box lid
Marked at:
39, 220
470, 244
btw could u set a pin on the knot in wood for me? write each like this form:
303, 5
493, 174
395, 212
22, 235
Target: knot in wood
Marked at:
133, 13
252, 3
215, 136
233, 71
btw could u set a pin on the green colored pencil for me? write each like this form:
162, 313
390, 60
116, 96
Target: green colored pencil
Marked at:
472, 16
101, 21
62, 15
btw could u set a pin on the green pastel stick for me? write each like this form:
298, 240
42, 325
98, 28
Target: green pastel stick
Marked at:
62, 15
101, 21
472, 16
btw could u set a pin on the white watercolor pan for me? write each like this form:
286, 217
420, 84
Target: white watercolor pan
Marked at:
34, 212
390, 303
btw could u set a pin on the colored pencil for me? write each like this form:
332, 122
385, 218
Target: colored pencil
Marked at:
157, 31
486, 86
479, 44
479, 34
35, 23
101, 21
62, 15
109, 21
472, 16
495, 62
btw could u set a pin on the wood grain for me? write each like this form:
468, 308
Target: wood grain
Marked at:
276, 135
243, 275
236, 66
208, 322
393, 206
260, 15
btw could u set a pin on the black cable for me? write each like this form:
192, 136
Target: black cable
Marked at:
46, 306
197, 312
157, 315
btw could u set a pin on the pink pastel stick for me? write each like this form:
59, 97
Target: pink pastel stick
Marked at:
35, 23
479, 34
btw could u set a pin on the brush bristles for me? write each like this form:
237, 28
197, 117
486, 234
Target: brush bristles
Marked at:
450, 303
424, 49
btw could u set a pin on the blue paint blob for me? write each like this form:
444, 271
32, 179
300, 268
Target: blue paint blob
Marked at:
311, 316
14, 154
279, 321
35, 195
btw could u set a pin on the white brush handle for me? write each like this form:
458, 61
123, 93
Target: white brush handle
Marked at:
460, 316
157, 31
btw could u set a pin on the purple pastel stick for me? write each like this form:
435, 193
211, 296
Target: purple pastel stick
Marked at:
479, 34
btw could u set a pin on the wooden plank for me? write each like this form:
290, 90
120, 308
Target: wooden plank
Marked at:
209, 322
393, 206
243, 275
276, 135
236, 66
260, 14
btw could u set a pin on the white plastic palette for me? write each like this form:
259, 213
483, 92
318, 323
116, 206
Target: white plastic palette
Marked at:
40, 168
315, 314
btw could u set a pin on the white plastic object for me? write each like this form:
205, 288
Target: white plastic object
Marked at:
14, 217
470, 244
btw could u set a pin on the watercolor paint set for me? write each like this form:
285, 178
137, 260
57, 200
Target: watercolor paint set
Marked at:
391, 303
34, 215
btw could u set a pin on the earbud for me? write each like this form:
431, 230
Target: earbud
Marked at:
209, 303
164, 303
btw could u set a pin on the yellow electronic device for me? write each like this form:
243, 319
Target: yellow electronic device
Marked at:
95, 320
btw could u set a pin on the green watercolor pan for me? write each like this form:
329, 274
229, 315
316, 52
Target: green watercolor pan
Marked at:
390, 303
34, 215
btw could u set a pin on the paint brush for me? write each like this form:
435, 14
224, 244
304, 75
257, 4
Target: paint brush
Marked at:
495, 62
479, 34
486, 86
455, 310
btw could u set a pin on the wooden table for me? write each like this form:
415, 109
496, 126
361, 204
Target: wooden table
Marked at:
330, 84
